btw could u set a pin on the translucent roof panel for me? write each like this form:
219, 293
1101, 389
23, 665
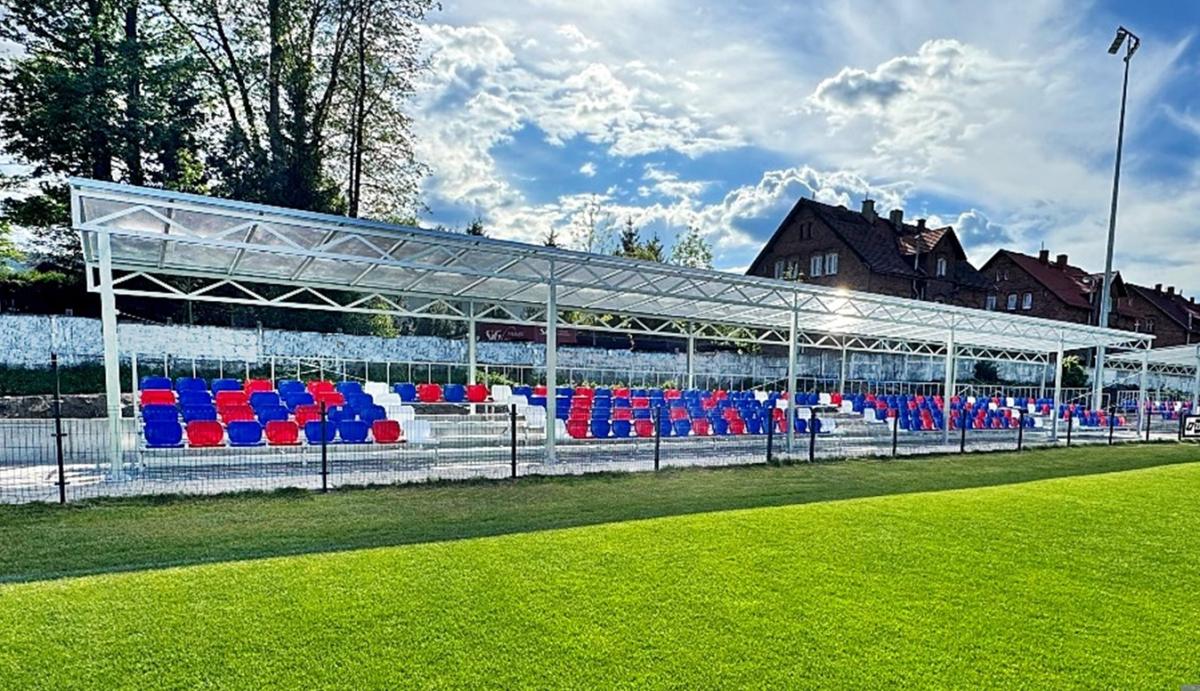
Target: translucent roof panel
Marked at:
169, 233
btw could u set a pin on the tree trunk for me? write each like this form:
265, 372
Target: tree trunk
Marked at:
99, 145
274, 70
359, 118
135, 131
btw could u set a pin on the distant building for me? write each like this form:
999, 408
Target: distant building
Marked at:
1172, 318
859, 250
1039, 287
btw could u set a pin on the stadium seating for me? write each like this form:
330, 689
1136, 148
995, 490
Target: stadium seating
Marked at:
385, 431
205, 433
282, 433
163, 434
155, 383
244, 433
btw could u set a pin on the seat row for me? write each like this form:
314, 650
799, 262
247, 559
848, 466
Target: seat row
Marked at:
240, 433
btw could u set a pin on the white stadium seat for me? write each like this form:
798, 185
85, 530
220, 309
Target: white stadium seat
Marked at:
501, 393
419, 432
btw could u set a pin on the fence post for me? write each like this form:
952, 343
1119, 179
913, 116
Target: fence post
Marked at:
58, 432
812, 434
657, 434
895, 432
1020, 432
962, 424
1112, 423
512, 439
770, 432
1070, 425
1182, 417
324, 449
1149, 418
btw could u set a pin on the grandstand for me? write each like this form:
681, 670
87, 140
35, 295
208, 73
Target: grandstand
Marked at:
142, 242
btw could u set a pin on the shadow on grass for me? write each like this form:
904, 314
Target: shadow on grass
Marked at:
111, 535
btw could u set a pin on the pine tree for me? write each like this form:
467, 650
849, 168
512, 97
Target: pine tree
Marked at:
692, 250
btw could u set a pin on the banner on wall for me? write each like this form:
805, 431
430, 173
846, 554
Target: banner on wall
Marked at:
522, 332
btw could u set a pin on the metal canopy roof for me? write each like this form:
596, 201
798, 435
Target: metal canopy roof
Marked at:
164, 233
1179, 360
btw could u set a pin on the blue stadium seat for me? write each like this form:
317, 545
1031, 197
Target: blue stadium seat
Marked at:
339, 413
164, 434
312, 432
454, 393
155, 383
346, 388
244, 433
286, 386
353, 431
266, 414
264, 399
291, 400
600, 428
407, 391
190, 397
370, 413
682, 428
199, 412
160, 412
621, 428
190, 384
226, 385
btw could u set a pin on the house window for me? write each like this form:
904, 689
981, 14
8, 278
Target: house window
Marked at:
815, 265
793, 268
806, 231
941, 266
1012, 301
1150, 326
831, 263
1027, 301
991, 303
779, 265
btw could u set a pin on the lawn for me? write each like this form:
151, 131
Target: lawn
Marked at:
1051, 569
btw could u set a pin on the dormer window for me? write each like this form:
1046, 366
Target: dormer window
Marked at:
941, 267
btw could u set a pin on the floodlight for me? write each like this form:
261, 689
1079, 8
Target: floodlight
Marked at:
1116, 44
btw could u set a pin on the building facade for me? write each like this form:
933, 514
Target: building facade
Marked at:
859, 250
1052, 289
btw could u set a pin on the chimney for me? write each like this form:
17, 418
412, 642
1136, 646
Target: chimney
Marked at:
896, 216
1044, 256
868, 209
920, 224
1158, 287
1061, 261
1170, 290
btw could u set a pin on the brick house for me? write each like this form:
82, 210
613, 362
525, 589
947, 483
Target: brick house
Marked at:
1055, 289
1172, 318
859, 250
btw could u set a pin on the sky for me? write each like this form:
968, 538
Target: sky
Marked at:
998, 118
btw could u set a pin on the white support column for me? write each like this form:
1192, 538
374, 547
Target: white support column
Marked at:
948, 388
1143, 395
1196, 385
272, 368
133, 377
551, 363
1058, 375
691, 356
472, 344
791, 384
112, 358
845, 367
1098, 380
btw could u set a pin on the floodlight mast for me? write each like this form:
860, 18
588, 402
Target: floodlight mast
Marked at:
1131, 42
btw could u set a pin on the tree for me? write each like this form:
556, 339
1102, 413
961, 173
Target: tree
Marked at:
592, 228
632, 246
314, 121
986, 372
692, 250
101, 89
1073, 374
475, 227
550, 239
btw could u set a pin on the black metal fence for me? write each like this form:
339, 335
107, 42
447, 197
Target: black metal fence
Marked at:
60, 458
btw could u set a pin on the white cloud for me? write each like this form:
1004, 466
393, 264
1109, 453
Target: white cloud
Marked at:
588, 169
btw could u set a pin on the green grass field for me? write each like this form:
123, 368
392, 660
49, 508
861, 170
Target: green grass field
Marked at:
1070, 568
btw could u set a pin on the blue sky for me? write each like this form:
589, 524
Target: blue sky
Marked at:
997, 118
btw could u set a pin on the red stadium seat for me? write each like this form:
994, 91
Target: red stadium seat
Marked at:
578, 429
584, 391
385, 431
227, 399
157, 397
539, 390
700, 427
622, 413
236, 413
641, 403
678, 414
429, 393
205, 433
643, 428
282, 433
307, 413
477, 393
330, 398
256, 385
620, 392
737, 426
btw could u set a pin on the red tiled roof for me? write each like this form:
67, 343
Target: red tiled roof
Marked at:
1069, 283
1175, 306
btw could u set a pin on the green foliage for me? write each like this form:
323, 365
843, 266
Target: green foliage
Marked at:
986, 372
692, 250
1073, 373
632, 246
475, 227
791, 565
